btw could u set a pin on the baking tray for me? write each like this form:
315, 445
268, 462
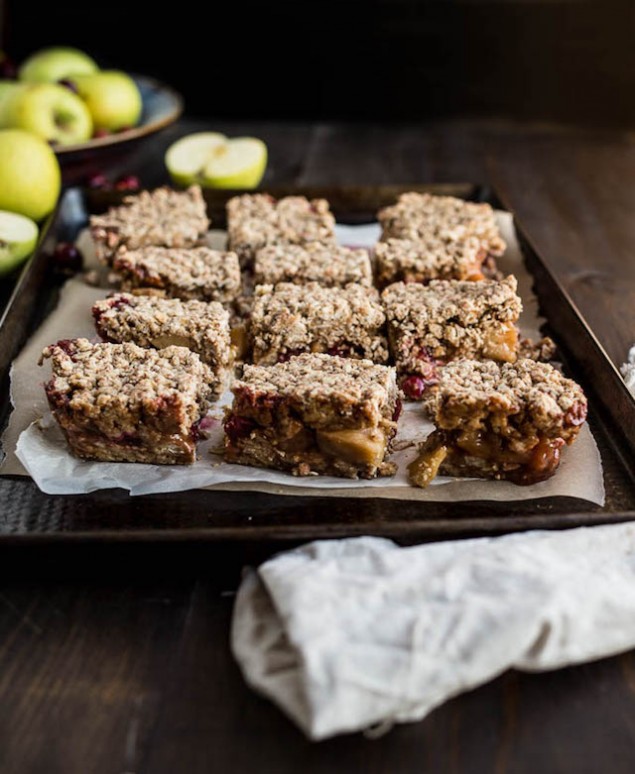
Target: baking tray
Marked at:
112, 516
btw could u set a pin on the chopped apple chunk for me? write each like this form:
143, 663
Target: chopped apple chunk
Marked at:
502, 344
361, 447
425, 467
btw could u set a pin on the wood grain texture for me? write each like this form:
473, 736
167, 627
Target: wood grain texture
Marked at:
120, 662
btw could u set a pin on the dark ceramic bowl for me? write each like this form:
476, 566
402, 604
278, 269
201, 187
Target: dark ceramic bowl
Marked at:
161, 107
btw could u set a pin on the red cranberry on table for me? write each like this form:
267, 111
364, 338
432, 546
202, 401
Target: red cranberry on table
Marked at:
67, 257
99, 180
127, 183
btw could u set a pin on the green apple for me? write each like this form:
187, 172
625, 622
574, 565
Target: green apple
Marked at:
50, 111
213, 160
187, 158
6, 88
30, 176
18, 237
112, 97
240, 163
55, 64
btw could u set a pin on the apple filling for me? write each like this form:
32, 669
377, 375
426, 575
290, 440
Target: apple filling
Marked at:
291, 443
485, 454
361, 447
425, 467
502, 343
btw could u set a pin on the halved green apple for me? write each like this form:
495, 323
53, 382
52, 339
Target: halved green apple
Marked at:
18, 237
214, 161
241, 163
187, 158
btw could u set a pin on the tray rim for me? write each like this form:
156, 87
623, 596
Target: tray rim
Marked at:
495, 523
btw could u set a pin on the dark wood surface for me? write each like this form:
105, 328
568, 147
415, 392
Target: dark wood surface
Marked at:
119, 662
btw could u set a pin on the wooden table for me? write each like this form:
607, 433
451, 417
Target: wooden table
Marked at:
116, 659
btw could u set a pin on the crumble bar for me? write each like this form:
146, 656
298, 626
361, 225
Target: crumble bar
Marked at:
190, 273
330, 266
288, 319
315, 414
149, 321
122, 403
429, 325
419, 216
501, 421
426, 259
255, 221
163, 217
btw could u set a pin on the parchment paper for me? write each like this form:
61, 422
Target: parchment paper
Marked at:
35, 446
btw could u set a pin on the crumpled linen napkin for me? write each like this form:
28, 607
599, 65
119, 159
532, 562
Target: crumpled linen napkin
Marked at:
346, 634
628, 370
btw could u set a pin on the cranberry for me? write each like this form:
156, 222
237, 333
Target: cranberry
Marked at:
68, 84
288, 354
201, 428
339, 351
238, 427
8, 71
576, 414
99, 180
118, 302
128, 439
67, 257
127, 183
397, 412
99, 133
67, 346
415, 386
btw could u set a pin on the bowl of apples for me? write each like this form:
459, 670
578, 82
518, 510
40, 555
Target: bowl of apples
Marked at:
90, 117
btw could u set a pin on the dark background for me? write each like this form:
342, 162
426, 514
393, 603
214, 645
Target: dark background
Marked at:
556, 60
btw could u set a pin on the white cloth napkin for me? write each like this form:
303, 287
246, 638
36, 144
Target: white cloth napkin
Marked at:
346, 634
628, 370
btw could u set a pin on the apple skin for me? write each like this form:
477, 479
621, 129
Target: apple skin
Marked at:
112, 97
50, 111
30, 177
54, 64
18, 237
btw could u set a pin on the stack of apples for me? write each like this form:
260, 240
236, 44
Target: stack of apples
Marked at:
60, 97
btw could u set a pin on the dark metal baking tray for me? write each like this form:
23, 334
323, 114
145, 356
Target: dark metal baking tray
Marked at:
27, 516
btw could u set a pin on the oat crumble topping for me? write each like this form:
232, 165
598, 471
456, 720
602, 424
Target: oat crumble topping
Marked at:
104, 377
162, 217
419, 308
313, 262
537, 390
287, 319
186, 273
255, 221
308, 375
427, 259
418, 216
